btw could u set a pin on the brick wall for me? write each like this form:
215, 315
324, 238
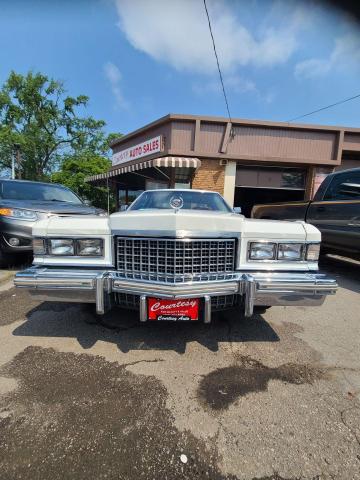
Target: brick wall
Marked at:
210, 176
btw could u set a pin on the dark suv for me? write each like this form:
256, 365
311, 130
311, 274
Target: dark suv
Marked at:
335, 211
22, 203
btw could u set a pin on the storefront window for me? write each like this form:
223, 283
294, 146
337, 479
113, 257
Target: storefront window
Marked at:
182, 186
127, 196
122, 197
132, 195
156, 185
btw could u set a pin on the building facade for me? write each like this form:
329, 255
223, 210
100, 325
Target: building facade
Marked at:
247, 161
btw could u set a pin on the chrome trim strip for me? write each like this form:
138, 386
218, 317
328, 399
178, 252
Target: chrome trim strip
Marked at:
250, 293
100, 294
56, 282
207, 309
169, 234
258, 288
143, 309
189, 290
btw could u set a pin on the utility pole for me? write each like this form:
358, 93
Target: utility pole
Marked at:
17, 159
13, 166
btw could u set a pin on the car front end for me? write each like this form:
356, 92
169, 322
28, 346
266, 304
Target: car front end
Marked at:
177, 265
23, 203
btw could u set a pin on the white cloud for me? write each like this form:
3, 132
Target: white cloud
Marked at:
233, 83
314, 67
346, 52
114, 77
176, 32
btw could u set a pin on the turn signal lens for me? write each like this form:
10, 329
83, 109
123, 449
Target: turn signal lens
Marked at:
313, 252
92, 247
39, 246
262, 251
61, 246
6, 212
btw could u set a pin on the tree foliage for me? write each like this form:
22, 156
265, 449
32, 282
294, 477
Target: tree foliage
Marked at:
37, 115
76, 168
55, 141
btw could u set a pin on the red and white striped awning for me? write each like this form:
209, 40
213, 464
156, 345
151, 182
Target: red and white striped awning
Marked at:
179, 162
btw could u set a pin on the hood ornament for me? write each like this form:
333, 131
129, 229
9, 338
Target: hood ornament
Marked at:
176, 202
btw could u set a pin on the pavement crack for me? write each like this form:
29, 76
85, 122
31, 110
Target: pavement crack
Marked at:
155, 360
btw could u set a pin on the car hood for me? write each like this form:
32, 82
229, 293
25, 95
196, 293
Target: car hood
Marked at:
194, 223
182, 224
52, 207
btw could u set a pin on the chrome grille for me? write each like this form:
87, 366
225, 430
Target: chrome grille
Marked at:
223, 302
175, 260
127, 300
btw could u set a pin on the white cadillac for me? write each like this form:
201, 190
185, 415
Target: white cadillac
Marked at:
176, 255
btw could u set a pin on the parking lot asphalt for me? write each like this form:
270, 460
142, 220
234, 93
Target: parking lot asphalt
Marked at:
276, 396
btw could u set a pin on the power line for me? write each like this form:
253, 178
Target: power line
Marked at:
324, 108
217, 61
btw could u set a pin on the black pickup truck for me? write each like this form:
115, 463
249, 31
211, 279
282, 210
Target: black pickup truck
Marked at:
335, 211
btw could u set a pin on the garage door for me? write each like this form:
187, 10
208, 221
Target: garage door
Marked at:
271, 177
256, 185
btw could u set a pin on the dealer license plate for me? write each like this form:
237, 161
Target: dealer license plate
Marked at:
173, 310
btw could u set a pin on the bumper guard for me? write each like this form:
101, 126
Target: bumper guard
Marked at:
257, 288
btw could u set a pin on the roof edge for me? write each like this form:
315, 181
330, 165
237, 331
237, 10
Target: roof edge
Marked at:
240, 121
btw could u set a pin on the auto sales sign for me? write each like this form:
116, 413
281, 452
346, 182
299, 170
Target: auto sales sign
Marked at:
153, 145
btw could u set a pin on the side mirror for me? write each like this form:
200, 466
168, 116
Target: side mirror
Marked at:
123, 208
237, 210
87, 202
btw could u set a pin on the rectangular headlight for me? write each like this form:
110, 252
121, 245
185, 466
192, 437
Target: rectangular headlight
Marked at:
313, 252
262, 251
61, 246
290, 251
92, 247
39, 247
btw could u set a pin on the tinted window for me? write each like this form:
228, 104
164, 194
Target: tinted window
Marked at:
37, 191
191, 201
344, 187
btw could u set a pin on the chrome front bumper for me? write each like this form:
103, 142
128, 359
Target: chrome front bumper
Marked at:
256, 288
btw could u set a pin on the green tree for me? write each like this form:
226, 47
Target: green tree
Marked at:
36, 114
81, 163
75, 168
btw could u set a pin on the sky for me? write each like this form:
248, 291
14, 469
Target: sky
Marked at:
139, 60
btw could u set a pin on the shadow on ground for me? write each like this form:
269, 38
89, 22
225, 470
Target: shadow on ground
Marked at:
122, 327
345, 270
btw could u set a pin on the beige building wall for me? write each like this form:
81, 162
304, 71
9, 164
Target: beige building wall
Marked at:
210, 176
229, 182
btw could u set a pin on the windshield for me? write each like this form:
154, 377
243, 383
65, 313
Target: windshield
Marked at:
161, 199
37, 191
